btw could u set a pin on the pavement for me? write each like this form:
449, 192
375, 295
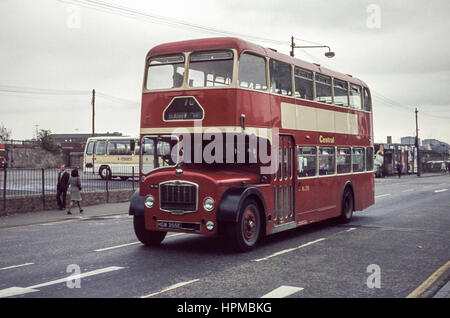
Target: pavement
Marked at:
53, 216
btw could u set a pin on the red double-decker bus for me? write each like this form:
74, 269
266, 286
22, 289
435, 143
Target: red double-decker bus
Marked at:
241, 141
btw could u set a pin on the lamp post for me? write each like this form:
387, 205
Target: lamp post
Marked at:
328, 54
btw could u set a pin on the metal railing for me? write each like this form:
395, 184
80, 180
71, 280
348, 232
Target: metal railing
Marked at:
23, 182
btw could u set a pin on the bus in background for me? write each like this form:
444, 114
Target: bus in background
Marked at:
215, 109
112, 157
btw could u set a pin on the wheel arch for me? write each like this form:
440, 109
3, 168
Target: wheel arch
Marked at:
232, 201
136, 204
348, 184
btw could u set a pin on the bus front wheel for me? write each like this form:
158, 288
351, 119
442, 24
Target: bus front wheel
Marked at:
105, 173
244, 234
149, 238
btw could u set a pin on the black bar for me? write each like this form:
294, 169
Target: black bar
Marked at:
4, 188
43, 188
107, 191
132, 176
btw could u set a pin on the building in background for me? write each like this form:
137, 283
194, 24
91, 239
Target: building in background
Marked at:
432, 154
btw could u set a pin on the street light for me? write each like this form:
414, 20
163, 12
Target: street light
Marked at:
329, 54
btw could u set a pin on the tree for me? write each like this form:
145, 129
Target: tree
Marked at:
5, 133
47, 141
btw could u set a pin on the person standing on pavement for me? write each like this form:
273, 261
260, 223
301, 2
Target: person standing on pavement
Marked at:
399, 169
443, 168
61, 187
74, 190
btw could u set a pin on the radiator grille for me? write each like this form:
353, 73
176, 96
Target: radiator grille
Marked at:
178, 196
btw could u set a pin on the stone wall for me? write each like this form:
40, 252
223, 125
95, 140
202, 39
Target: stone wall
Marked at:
32, 203
34, 157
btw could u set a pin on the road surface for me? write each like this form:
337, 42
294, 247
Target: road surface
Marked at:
388, 250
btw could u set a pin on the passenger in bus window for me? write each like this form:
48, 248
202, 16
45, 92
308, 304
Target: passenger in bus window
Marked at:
177, 80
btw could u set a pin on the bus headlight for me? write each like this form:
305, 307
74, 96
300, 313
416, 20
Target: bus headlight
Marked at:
149, 201
208, 204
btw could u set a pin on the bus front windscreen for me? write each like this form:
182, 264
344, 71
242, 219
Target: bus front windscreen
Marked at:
157, 152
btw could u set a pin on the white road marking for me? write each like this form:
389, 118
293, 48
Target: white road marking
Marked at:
132, 243
14, 291
442, 190
15, 266
175, 286
351, 229
80, 276
175, 234
288, 250
117, 246
409, 190
383, 195
282, 291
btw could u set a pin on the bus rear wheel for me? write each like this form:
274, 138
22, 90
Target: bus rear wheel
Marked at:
148, 238
347, 205
244, 234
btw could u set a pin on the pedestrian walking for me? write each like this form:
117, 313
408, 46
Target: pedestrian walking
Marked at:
74, 190
399, 169
61, 187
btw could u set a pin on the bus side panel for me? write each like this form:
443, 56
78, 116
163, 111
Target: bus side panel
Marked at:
363, 187
328, 201
255, 106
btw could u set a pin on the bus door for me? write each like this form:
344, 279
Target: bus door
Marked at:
284, 178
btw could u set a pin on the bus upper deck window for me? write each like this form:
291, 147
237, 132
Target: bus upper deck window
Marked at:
367, 100
340, 92
165, 72
303, 83
210, 69
355, 96
280, 78
252, 72
323, 89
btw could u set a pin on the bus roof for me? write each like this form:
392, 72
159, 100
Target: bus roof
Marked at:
240, 46
112, 138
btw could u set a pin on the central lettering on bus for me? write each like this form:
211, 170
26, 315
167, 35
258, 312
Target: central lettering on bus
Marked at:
326, 140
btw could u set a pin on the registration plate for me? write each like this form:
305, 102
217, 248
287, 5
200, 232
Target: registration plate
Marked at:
169, 225
192, 227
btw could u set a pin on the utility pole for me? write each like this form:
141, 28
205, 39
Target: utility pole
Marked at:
417, 144
93, 112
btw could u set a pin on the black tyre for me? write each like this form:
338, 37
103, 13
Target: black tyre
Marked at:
347, 206
149, 238
244, 234
105, 173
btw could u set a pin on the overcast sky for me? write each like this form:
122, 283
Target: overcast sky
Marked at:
400, 48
